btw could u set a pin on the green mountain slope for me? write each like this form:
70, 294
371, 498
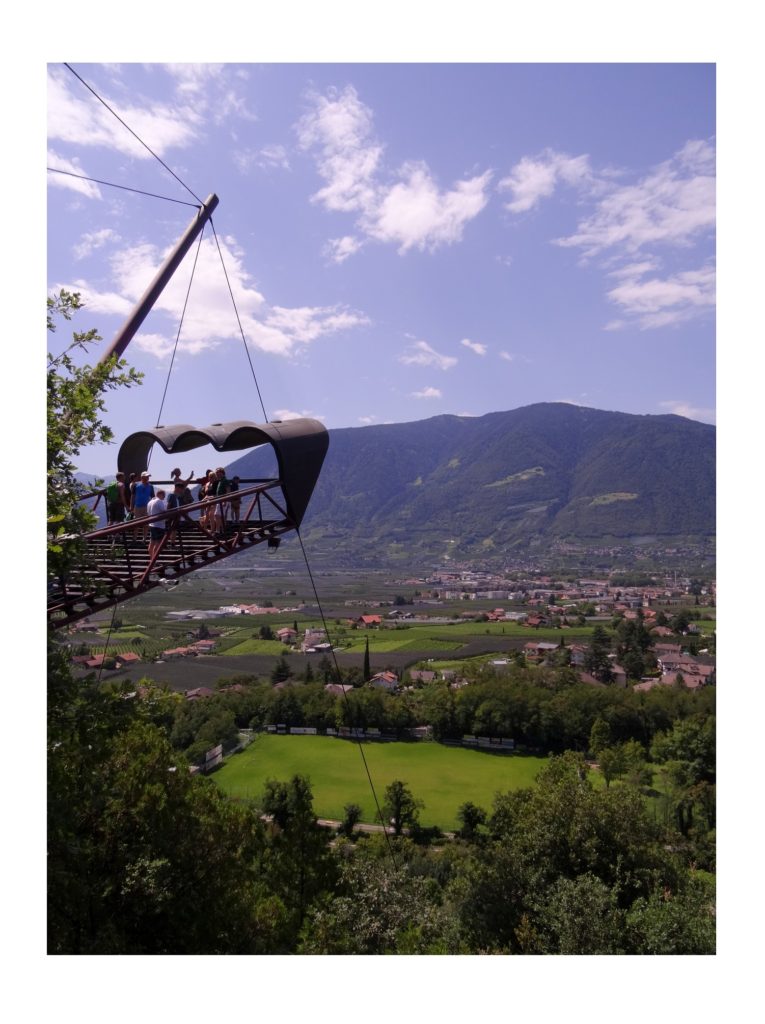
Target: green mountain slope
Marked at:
480, 486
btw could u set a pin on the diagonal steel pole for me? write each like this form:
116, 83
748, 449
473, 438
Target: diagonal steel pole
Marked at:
125, 335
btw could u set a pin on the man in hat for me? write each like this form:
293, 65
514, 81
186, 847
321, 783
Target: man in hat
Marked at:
142, 495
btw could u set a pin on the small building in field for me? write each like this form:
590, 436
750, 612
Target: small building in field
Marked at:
369, 621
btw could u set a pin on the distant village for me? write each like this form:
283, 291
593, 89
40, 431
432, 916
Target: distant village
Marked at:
535, 602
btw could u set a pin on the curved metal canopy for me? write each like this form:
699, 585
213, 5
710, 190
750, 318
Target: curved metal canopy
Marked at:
300, 446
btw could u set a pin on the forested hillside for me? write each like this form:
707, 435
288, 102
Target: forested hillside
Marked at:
485, 485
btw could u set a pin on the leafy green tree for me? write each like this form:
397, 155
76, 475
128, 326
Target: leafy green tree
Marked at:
470, 817
563, 828
400, 808
75, 407
266, 633
580, 916
600, 735
325, 669
351, 816
612, 763
297, 864
281, 671
142, 857
596, 660
679, 923
680, 621
380, 908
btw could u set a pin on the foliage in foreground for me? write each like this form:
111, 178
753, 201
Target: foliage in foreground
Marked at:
146, 858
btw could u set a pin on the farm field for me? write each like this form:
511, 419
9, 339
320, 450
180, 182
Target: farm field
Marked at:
443, 777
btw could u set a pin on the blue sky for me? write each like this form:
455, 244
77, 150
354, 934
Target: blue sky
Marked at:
402, 240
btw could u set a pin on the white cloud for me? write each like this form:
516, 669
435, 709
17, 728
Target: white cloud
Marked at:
507, 356
93, 240
337, 250
267, 158
76, 116
274, 155
210, 319
290, 414
672, 205
475, 346
535, 178
427, 393
414, 213
656, 302
421, 354
193, 79
367, 420
339, 126
691, 412
59, 163
411, 211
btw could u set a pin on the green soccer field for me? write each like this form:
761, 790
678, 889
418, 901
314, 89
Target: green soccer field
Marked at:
443, 777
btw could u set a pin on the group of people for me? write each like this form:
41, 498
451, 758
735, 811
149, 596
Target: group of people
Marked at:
136, 499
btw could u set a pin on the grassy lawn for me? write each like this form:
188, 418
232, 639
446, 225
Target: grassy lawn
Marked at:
255, 646
444, 777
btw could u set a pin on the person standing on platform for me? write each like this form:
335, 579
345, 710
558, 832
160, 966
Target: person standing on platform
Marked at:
142, 495
155, 506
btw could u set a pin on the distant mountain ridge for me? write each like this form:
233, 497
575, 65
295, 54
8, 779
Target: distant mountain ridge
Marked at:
484, 485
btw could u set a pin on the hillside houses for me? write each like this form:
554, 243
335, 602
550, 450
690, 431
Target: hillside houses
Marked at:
190, 651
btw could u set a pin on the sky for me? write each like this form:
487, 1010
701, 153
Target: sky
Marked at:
401, 240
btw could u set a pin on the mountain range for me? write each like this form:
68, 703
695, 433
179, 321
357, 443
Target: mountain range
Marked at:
508, 481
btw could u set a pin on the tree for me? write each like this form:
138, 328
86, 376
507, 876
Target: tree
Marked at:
400, 808
75, 405
351, 815
142, 857
281, 671
266, 633
600, 735
297, 864
470, 817
596, 659
367, 669
325, 669
612, 763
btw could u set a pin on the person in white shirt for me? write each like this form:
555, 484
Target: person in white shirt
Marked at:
156, 529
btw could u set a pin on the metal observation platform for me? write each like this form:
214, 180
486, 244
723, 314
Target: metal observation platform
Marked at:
116, 564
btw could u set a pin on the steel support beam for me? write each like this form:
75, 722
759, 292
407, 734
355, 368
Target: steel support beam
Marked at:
125, 335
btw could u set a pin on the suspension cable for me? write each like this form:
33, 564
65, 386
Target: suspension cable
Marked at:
339, 677
106, 645
125, 188
238, 320
135, 136
180, 326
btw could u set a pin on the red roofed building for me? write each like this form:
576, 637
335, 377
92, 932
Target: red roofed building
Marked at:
385, 681
128, 658
369, 621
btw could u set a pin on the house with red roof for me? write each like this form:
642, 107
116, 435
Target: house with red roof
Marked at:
369, 621
385, 681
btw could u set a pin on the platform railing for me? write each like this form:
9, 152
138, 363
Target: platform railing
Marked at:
118, 563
